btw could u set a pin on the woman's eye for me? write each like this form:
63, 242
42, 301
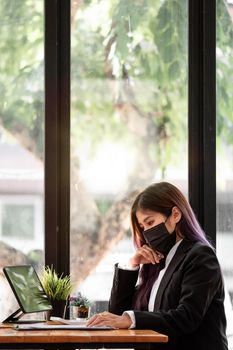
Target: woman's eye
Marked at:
150, 223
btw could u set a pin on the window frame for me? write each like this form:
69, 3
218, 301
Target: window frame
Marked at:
202, 113
201, 124
57, 134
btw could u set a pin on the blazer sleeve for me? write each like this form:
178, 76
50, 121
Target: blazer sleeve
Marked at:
201, 281
123, 288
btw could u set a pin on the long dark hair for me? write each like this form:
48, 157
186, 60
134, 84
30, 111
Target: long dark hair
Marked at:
161, 197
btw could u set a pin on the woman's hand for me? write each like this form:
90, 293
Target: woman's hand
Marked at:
110, 320
145, 255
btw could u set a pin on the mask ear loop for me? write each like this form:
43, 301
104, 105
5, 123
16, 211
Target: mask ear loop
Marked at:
175, 230
168, 215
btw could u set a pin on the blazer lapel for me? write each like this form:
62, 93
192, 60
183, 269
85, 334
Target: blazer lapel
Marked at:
176, 260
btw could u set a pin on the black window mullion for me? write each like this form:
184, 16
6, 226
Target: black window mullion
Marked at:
64, 203
57, 133
202, 113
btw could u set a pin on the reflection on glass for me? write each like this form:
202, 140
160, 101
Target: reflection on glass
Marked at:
21, 138
128, 122
224, 74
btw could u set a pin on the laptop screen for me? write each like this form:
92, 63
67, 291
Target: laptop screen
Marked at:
27, 288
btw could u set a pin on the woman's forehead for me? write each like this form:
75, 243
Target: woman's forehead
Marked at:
142, 214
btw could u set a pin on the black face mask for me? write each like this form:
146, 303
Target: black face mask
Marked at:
158, 238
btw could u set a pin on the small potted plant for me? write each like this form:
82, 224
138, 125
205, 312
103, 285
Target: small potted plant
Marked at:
80, 305
57, 289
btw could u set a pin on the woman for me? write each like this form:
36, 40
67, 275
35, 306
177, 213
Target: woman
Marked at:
180, 290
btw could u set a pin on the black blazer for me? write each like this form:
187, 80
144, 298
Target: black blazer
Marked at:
189, 302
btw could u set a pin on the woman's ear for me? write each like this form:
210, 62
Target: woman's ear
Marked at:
176, 214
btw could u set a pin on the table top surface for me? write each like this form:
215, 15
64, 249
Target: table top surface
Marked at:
11, 335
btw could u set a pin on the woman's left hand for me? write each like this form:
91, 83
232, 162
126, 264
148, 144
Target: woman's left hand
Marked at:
110, 320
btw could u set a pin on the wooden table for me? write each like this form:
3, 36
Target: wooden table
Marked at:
78, 339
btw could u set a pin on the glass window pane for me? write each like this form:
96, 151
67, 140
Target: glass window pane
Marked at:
224, 74
128, 122
18, 220
21, 139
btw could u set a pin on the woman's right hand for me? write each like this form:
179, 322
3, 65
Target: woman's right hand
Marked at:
145, 255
